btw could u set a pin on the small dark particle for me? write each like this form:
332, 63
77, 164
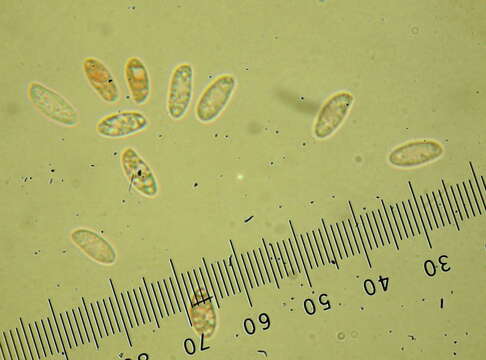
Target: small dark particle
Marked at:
263, 352
139, 172
441, 303
248, 219
195, 184
411, 337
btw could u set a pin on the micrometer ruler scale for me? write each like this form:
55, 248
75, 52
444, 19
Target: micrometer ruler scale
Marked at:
328, 245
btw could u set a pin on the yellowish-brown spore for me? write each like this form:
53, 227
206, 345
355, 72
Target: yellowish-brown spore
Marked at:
334, 111
52, 105
138, 173
215, 98
180, 91
137, 79
94, 246
415, 153
120, 125
101, 79
203, 314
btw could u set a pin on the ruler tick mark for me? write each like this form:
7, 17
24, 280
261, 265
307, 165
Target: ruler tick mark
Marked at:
317, 245
217, 281
174, 293
468, 199
8, 347
420, 214
33, 340
241, 275
126, 309
114, 314
258, 267
65, 331
432, 211
228, 276
312, 250
21, 343
445, 207
365, 231
180, 291
270, 263
96, 320
156, 300
121, 314
210, 282
371, 230
14, 345
359, 233
377, 228
477, 184
438, 208
389, 224
108, 316
276, 260
72, 330
246, 270
288, 257
26, 339
150, 302
265, 265
168, 296
252, 268
163, 299
57, 327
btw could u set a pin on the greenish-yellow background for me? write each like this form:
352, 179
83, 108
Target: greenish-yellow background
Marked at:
416, 69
